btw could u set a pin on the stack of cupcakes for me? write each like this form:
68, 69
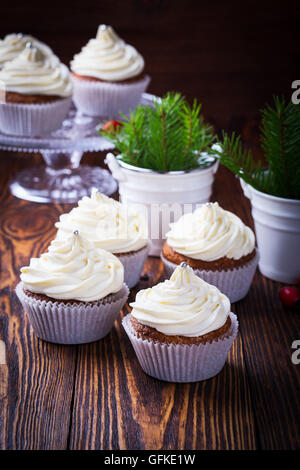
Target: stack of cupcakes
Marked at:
74, 292
181, 329
36, 89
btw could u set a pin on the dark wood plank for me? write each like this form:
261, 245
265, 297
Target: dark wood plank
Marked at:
117, 406
37, 377
239, 58
268, 331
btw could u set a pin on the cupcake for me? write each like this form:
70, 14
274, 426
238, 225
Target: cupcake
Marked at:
13, 44
108, 76
73, 293
182, 328
112, 226
217, 245
36, 93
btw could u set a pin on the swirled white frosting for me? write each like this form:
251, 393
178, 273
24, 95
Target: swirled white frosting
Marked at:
108, 58
73, 269
184, 305
211, 233
13, 44
32, 73
106, 223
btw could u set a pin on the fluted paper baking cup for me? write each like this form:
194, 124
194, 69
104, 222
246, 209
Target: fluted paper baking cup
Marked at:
107, 100
182, 362
33, 120
234, 283
133, 263
72, 323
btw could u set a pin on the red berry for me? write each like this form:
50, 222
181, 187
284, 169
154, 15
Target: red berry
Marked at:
289, 295
112, 125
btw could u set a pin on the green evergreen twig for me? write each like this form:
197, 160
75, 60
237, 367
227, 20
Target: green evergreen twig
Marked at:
168, 136
280, 140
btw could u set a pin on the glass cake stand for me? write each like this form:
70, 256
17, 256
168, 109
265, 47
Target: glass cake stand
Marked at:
63, 179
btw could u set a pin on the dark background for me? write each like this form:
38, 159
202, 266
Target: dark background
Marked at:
233, 56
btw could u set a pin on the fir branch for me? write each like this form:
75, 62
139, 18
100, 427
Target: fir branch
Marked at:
240, 162
168, 136
280, 138
164, 146
189, 130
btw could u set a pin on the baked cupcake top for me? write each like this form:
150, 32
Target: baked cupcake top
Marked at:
73, 269
108, 58
13, 44
33, 73
211, 233
184, 305
106, 223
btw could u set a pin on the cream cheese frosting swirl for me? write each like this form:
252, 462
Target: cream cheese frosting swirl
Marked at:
73, 269
13, 44
108, 58
32, 73
106, 223
184, 305
211, 233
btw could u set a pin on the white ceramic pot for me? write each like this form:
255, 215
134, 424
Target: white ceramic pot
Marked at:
277, 226
163, 197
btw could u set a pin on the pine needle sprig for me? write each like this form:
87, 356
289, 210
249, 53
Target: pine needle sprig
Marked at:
280, 141
240, 162
280, 138
168, 136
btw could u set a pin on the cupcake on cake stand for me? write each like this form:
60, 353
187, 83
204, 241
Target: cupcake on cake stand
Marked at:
63, 179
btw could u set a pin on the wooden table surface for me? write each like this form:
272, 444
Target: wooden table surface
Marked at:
96, 396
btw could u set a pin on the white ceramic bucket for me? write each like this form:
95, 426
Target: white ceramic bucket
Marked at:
277, 226
163, 197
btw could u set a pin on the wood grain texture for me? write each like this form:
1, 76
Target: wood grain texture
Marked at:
130, 410
268, 331
97, 397
37, 380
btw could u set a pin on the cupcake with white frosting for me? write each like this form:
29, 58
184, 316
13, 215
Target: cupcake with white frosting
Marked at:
35, 93
13, 44
108, 76
112, 226
182, 328
217, 244
73, 293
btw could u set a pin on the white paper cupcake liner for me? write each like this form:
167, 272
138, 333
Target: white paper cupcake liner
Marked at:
133, 263
234, 283
33, 120
107, 99
182, 362
72, 323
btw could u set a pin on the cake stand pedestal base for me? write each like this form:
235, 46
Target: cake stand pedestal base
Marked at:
44, 184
